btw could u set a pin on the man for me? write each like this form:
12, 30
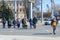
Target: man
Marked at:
9, 23
14, 23
3, 22
18, 23
23, 22
34, 22
31, 23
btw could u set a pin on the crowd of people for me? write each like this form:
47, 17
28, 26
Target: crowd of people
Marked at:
25, 25
17, 23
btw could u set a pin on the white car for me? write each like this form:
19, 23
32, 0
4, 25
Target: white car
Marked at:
47, 21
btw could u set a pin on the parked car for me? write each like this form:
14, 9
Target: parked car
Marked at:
47, 21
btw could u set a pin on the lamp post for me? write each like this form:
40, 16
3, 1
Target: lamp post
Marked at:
31, 11
31, 1
15, 8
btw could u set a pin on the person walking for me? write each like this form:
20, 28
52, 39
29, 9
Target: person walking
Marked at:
3, 22
34, 22
18, 23
23, 22
31, 23
14, 23
9, 23
54, 24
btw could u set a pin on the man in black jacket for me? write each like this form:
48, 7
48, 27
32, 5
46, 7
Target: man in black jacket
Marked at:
34, 22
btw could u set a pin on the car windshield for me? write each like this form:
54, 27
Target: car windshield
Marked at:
47, 19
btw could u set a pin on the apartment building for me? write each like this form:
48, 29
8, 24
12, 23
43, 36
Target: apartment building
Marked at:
22, 9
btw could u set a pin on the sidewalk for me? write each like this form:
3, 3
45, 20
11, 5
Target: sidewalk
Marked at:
10, 37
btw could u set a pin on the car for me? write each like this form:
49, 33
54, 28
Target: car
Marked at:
47, 21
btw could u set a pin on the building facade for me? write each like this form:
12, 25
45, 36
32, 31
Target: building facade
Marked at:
20, 7
23, 8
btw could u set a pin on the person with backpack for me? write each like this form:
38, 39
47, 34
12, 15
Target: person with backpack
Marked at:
54, 24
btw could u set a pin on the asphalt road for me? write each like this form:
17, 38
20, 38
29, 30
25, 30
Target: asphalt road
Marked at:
41, 30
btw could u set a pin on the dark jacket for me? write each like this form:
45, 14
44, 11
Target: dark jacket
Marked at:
31, 21
23, 21
9, 22
3, 20
34, 20
52, 21
14, 22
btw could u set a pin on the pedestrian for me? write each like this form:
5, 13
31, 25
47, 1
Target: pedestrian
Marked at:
26, 25
34, 22
23, 22
31, 23
14, 23
18, 23
54, 23
9, 23
3, 22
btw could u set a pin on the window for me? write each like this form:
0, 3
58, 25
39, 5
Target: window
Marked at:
17, 4
10, 4
20, 10
17, 10
20, 3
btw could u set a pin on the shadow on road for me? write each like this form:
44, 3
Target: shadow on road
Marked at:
42, 34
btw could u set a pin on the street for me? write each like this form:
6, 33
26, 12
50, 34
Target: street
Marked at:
43, 32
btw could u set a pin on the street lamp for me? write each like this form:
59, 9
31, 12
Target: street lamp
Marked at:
31, 1
15, 8
31, 11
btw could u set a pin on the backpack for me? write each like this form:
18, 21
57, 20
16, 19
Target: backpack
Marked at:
53, 24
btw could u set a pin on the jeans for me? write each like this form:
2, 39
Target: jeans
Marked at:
54, 28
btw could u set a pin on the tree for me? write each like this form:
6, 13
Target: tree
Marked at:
6, 12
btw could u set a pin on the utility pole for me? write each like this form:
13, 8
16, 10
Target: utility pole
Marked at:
52, 10
42, 10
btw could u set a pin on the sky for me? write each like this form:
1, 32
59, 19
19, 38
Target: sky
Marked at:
45, 2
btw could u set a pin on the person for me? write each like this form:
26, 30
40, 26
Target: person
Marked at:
18, 23
31, 23
3, 22
9, 23
26, 25
14, 23
53, 23
34, 22
23, 22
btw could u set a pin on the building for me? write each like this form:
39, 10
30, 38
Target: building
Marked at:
23, 8
20, 8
